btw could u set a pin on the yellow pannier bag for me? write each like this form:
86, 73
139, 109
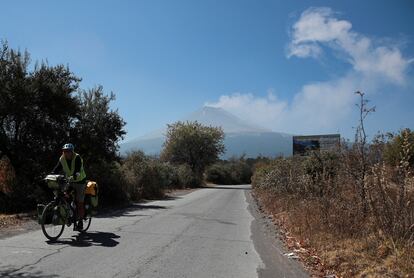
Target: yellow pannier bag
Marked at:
91, 188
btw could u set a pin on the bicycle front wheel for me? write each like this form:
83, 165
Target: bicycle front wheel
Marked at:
51, 231
86, 223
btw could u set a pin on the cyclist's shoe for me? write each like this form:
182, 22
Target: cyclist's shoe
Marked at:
80, 225
68, 221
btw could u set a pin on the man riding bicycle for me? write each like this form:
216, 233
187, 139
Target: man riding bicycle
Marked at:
71, 164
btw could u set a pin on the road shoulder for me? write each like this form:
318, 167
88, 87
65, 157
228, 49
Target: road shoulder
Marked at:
271, 249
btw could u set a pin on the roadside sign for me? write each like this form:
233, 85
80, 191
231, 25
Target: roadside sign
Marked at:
302, 145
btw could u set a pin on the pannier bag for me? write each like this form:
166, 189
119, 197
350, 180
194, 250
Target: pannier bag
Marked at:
53, 181
59, 215
40, 208
91, 188
55, 216
91, 197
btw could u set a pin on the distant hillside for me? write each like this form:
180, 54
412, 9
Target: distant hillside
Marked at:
241, 137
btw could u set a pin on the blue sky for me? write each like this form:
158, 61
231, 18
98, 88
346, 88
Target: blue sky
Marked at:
290, 66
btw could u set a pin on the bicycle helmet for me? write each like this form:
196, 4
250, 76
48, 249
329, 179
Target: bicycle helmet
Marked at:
68, 147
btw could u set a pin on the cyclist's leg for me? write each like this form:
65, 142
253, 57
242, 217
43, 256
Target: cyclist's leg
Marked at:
80, 197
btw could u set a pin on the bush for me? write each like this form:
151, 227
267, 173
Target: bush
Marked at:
168, 174
111, 182
134, 169
218, 173
321, 169
234, 171
148, 177
186, 177
281, 175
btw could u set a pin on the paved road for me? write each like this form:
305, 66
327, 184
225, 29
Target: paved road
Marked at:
208, 233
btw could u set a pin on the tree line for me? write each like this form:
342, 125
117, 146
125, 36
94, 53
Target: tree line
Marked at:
43, 106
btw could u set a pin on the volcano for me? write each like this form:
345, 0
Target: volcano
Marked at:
241, 138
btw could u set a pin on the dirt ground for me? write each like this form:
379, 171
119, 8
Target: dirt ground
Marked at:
12, 224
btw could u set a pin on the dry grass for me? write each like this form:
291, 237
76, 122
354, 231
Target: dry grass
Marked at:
344, 212
7, 220
325, 249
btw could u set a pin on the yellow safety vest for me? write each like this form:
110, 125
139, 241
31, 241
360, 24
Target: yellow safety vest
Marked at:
71, 171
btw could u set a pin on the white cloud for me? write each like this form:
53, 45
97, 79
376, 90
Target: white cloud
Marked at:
318, 27
263, 111
323, 106
317, 107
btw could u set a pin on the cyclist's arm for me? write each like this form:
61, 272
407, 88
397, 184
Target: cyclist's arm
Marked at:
58, 169
78, 164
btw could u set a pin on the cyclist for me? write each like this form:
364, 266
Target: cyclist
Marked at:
71, 164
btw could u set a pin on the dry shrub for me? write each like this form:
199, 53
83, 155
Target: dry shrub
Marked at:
186, 177
391, 196
392, 204
316, 200
143, 176
232, 171
281, 175
147, 177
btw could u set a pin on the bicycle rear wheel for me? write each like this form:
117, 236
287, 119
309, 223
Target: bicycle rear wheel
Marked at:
51, 231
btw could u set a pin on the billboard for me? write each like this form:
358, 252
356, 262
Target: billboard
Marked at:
302, 145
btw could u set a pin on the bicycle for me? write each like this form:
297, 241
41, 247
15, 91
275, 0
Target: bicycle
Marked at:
61, 210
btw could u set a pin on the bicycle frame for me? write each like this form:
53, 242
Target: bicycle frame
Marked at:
64, 199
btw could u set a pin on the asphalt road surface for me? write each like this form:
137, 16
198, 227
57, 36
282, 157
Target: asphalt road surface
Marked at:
211, 232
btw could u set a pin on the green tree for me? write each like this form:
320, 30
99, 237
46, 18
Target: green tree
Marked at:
193, 144
37, 108
96, 132
97, 129
40, 110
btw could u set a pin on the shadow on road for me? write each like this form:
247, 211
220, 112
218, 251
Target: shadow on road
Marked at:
14, 272
232, 187
206, 219
127, 211
88, 239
